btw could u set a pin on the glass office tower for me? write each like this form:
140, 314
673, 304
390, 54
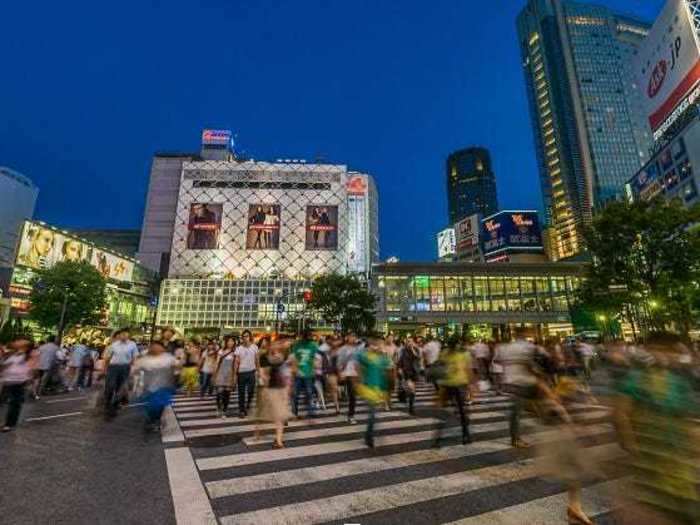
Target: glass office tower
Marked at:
471, 184
589, 131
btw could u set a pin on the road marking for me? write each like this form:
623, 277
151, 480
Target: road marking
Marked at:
304, 475
383, 498
596, 500
340, 431
263, 456
44, 418
66, 399
192, 506
171, 433
231, 422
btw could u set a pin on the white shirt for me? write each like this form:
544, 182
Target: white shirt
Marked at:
431, 352
481, 351
122, 353
246, 356
516, 358
47, 356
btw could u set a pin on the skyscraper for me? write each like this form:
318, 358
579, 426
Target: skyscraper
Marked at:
590, 134
471, 184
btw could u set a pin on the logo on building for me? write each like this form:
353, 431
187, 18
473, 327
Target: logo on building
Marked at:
356, 186
656, 80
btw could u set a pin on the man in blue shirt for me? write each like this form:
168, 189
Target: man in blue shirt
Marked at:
119, 357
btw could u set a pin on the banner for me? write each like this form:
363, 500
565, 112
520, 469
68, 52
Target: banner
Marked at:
446, 242
321, 227
263, 227
511, 229
111, 266
204, 226
467, 233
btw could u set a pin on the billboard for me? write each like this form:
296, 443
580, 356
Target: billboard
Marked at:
42, 247
216, 137
467, 233
668, 66
647, 183
356, 185
357, 233
446, 242
511, 229
263, 227
321, 227
204, 225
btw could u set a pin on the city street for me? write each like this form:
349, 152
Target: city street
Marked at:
209, 467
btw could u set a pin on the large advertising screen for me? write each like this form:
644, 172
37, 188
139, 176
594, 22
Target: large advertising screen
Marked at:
446, 242
321, 227
647, 183
668, 66
204, 226
263, 227
42, 247
216, 137
511, 229
467, 234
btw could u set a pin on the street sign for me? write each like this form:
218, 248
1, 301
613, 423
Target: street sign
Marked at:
280, 308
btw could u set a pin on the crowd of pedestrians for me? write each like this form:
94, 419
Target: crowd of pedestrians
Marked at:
653, 394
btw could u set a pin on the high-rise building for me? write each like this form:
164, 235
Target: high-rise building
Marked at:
589, 128
17, 200
471, 184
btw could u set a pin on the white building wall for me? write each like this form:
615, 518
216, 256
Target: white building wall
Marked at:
17, 201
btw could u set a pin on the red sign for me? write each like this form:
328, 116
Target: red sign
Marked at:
308, 296
356, 186
656, 79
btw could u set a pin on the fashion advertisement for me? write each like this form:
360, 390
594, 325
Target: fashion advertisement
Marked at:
263, 227
204, 226
321, 227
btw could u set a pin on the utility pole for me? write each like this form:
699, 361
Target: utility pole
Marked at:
61, 323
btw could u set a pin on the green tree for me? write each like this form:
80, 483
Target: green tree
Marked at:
645, 261
77, 285
344, 300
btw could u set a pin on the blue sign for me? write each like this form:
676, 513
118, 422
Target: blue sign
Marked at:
280, 308
511, 229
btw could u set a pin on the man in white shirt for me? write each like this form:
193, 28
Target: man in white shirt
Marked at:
392, 352
246, 366
431, 353
119, 357
481, 354
47, 365
347, 369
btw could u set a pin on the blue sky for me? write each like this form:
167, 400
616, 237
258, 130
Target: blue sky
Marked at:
90, 90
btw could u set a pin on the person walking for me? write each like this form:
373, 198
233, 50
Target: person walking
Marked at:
189, 375
374, 367
224, 378
158, 368
76, 361
47, 365
119, 357
520, 381
273, 395
456, 364
334, 343
408, 369
15, 374
430, 352
347, 367
246, 368
304, 355
392, 352
208, 367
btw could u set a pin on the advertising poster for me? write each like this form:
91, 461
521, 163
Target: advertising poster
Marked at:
668, 66
111, 266
37, 248
263, 227
321, 227
357, 234
467, 233
204, 226
216, 137
511, 230
446, 242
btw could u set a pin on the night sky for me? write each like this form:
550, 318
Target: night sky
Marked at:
89, 93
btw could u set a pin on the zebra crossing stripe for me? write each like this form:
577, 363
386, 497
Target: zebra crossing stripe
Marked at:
302, 476
346, 506
596, 500
339, 431
251, 458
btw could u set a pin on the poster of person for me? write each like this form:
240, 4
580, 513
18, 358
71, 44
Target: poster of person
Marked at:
37, 247
72, 250
263, 227
111, 266
204, 226
321, 227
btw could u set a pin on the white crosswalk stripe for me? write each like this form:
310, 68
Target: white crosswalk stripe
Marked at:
326, 474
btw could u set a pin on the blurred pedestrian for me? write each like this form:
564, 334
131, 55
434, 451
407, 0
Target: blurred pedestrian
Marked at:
303, 355
408, 370
224, 377
246, 367
47, 365
15, 375
374, 381
273, 394
119, 356
518, 360
455, 363
189, 375
347, 369
208, 362
158, 368
392, 352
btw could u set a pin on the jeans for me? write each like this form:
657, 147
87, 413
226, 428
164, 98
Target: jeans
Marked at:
369, 433
456, 394
85, 377
206, 386
352, 400
117, 375
246, 389
15, 397
155, 404
307, 385
223, 396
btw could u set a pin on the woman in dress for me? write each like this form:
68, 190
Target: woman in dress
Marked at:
189, 376
274, 396
224, 378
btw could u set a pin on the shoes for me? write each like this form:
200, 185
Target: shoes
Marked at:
277, 445
352, 421
7, 429
519, 443
466, 439
576, 518
369, 442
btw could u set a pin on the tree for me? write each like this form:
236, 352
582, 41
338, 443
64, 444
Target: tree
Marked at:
77, 285
344, 300
646, 259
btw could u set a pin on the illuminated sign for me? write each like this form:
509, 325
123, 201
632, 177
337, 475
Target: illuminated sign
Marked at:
519, 230
356, 185
214, 137
668, 66
447, 244
467, 234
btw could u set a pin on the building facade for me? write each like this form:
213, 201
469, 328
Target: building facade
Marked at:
248, 237
122, 240
17, 200
447, 298
471, 184
589, 127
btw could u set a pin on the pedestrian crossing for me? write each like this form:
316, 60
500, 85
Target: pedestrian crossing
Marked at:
326, 474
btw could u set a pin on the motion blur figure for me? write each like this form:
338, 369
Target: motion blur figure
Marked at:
159, 368
456, 363
654, 405
374, 381
15, 374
